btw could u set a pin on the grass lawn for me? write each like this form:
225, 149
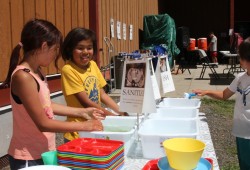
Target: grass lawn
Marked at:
219, 116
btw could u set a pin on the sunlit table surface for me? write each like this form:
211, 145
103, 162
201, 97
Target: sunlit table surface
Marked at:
204, 135
228, 54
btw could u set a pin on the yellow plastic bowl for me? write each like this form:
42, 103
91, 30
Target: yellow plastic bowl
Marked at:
183, 153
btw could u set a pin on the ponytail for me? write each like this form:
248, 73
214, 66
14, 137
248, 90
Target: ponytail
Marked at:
34, 33
14, 61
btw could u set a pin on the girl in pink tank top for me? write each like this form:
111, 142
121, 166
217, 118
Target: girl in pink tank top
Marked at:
34, 125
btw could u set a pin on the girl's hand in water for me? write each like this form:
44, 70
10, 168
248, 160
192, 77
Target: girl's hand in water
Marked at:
92, 113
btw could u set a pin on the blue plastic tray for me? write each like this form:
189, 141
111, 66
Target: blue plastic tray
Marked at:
202, 165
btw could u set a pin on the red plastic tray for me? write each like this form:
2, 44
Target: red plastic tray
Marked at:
151, 165
91, 146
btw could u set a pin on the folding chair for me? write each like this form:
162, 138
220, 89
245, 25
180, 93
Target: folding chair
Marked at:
206, 63
186, 60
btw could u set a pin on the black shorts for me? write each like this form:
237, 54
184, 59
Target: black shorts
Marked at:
16, 164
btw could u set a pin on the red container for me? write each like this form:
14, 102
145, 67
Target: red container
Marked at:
192, 43
202, 43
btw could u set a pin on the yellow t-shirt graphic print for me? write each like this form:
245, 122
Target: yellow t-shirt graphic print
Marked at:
91, 89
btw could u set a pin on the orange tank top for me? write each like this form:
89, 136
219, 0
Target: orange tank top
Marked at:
28, 142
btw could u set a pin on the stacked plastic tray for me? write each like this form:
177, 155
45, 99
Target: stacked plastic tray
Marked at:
91, 153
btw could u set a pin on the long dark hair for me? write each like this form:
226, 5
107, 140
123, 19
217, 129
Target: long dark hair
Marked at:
73, 38
34, 33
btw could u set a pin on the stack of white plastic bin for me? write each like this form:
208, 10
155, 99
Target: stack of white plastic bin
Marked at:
119, 128
175, 117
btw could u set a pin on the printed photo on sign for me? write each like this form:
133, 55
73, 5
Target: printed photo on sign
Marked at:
135, 75
163, 66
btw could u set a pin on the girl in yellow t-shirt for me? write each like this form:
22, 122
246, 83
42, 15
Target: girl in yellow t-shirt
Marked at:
82, 81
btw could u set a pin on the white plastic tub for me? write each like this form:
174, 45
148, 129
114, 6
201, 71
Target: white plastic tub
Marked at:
175, 113
180, 102
116, 128
154, 131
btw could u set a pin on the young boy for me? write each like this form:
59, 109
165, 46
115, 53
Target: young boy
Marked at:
241, 121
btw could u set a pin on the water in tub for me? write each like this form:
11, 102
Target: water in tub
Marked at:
110, 128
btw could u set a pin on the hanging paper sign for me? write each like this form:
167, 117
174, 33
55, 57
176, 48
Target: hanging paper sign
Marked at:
155, 86
112, 27
130, 32
149, 103
158, 76
118, 30
166, 77
136, 91
124, 31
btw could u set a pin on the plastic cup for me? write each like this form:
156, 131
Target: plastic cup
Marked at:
50, 158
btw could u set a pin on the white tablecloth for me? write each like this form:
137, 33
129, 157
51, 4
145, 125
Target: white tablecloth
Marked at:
204, 135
